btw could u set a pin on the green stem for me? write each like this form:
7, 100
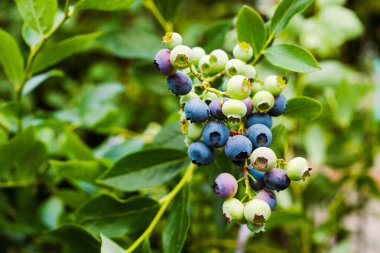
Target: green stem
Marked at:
164, 205
151, 6
246, 180
196, 73
258, 56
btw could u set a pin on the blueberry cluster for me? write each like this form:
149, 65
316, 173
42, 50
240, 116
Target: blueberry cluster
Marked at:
224, 106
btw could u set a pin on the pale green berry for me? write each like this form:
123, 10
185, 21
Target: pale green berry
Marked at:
256, 87
234, 109
298, 169
194, 131
209, 96
235, 67
255, 229
218, 60
186, 98
263, 159
263, 101
250, 72
239, 87
257, 212
243, 51
198, 53
181, 56
204, 65
172, 39
274, 84
233, 210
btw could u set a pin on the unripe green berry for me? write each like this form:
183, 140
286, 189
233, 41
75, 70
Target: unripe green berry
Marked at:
209, 96
263, 159
255, 229
194, 131
263, 101
243, 51
274, 84
181, 56
298, 169
256, 87
250, 72
204, 65
239, 87
235, 67
186, 98
257, 212
233, 210
218, 60
172, 39
234, 109
198, 53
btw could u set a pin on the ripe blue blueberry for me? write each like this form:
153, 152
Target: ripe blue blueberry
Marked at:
260, 135
276, 179
179, 83
163, 64
249, 105
259, 183
259, 118
200, 154
215, 134
225, 186
238, 147
197, 111
279, 106
269, 197
263, 159
233, 210
216, 108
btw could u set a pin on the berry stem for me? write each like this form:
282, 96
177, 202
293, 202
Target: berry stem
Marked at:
262, 51
214, 77
246, 180
164, 202
196, 73
151, 6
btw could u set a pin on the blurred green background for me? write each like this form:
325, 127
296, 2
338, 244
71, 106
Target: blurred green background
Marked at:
106, 100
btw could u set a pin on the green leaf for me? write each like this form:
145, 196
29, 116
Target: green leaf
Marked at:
168, 8
291, 57
214, 35
251, 28
114, 217
78, 239
36, 80
78, 170
54, 53
145, 169
303, 108
284, 12
283, 218
76, 148
109, 246
279, 140
38, 14
30, 36
109, 5
11, 58
170, 136
51, 212
175, 231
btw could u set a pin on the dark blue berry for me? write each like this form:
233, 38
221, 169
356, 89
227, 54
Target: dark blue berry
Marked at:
238, 147
216, 108
197, 111
276, 179
260, 135
260, 118
269, 197
162, 62
215, 134
200, 154
259, 184
180, 83
279, 106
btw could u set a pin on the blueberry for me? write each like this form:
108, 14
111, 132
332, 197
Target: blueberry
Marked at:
186, 98
250, 73
198, 53
218, 59
259, 184
209, 97
163, 64
194, 131
181, 56
200, 154
225, 186
243, 51
279, 106
234, 109
298, 168
276, 179
263, 159
172, 39
239, 87
259, 118
269, 197
216, 108
204, 65
238, 147
233, 210
274, 84
235, 67
215, 134
260, 135
263, 101
179, 83
197, 111
257, 212
249, 105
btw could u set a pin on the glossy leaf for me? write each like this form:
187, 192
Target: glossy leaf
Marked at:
11, 58
51, 212
168, 8
175, 231
145, 169
37, 80
303, 108
109, 5
279, 140
114, 217
251, 28
284, 12
109, 246
78, 170
76, 148
54, 53
170, 136
291, 57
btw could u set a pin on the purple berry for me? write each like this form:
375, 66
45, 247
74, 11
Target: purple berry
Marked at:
259, 118
179, 83
276, 179
225, 186
260, 135
259, 183
269, 197
249, 105
279, 106
215, 134
216, 108
200, 154
238, 147
197, 111
162, 62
